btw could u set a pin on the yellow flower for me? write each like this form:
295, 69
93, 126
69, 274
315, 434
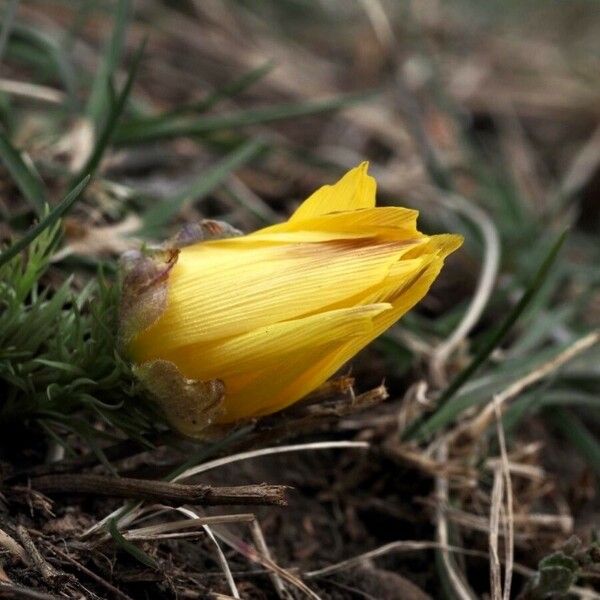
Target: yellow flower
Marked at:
274, 314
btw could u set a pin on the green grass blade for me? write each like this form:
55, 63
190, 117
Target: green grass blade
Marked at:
99, 99
447, 410
161, 213
117, 108
27, 180
8, 19
130, 548
53, 55
52, 217
228, 91
145, 130
571, 427
532, 403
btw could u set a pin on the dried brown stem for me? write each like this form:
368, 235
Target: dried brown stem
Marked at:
310, 418
10, 590
13, 547
117, 593
161, 491
45, 569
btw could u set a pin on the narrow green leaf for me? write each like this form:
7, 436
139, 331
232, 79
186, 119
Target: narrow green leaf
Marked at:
145, 130
7, 22
228, 91
162, 212
130, 548
117, 107
99, 99
532, 403
26, 178
447, 410
52, 217
571, 427
51, 53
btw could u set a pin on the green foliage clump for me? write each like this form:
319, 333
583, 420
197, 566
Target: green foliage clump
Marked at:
59, 367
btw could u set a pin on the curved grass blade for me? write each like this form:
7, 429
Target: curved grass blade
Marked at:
571, 427
145, 130
27, 180
227, 91
7, 21
99, 99
52, 217
447, 410
130, 548
161, 213
117, 108
54, 55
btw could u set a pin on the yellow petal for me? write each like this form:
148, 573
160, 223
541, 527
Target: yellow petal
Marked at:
283, 363
405, 292
264, 347
356, 189
218, 291
386, 222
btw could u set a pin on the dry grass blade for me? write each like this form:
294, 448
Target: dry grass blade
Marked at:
152, 531
485, 285
400, 546
220, 462
509, 541
220, 554
476, 426
526, 524
31, 90
252, 554
261, 544
495, 573
583, 166
455, 578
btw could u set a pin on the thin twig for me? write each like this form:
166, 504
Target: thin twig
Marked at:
313, 416
11, 590
47, 571
132, 512
9, 543
95, 577
161, 491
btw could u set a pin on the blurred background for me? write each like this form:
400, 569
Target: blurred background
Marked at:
485, 116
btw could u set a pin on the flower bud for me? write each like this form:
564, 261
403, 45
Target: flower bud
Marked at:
231, 328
